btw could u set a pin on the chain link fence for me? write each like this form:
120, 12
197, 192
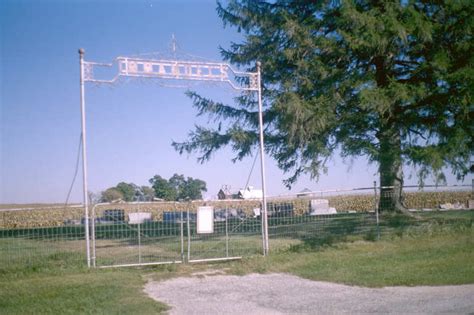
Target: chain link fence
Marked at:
128, 234
31, 236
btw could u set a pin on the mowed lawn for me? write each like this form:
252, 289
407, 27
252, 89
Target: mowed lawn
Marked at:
77, 291
440, 251
443, 259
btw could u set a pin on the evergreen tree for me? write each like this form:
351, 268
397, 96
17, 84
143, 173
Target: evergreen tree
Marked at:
391, 80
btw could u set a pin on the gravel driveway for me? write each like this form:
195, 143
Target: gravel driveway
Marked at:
287, 294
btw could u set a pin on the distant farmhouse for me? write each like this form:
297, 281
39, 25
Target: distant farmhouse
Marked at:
248, 193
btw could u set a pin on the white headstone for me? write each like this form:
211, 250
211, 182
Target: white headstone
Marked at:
205, 220
138, 217
320, 207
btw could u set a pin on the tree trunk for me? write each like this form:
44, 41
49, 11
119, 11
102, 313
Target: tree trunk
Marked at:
391, 171
390, 151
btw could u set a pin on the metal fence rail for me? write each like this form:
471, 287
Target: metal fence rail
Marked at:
169, 234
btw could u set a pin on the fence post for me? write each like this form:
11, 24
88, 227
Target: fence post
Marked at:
469, 202
262, 163
93, 237
189, 236
472, 189
139, 245
181, 232
376, 208
226, 232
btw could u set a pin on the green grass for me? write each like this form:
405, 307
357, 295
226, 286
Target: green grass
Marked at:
422, 261
77, 291
53, 279
429, 254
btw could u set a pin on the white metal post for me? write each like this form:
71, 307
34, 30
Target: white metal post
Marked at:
139, 245
93, 258
84, 158
181, 229
189, 234
376, 208
262, 162
226, 232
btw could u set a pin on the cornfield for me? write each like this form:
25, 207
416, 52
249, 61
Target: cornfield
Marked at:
57, 217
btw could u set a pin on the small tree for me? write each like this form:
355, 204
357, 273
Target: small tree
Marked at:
147, 193
162, 188
178, 187
192, 189
127, 190
177, 183
111, 194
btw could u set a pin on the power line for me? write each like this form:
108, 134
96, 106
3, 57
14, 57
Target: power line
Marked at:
251, 171
76, 170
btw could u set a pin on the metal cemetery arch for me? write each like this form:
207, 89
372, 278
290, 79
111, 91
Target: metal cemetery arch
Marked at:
176, 70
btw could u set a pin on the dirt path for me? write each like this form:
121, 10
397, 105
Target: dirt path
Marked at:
287, 294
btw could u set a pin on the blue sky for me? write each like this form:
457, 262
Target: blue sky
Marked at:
130, 125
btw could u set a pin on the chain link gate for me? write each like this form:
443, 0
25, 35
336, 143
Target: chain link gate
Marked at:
124, 238
235, 234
